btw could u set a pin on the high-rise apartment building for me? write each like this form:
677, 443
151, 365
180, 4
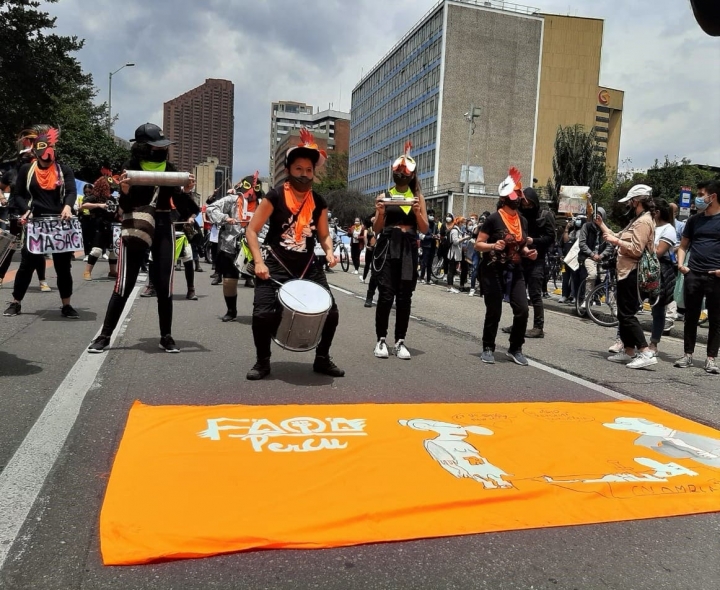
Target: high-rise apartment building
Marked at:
202, 122
286, 116
525, 74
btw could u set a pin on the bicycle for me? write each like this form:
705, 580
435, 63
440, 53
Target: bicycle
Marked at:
339, 246
552, 267
601, 303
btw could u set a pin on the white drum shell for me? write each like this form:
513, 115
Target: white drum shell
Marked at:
305, 306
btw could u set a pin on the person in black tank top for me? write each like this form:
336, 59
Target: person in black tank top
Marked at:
399, 215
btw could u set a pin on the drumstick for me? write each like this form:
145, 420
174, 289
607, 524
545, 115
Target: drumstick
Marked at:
290, 294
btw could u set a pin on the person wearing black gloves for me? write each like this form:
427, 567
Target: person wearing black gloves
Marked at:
149, 153
541, 235
45, 187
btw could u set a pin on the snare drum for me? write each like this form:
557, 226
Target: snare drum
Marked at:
7, 244
244, 258
305, 306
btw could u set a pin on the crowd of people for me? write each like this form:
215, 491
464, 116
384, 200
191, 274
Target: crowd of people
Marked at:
270, 239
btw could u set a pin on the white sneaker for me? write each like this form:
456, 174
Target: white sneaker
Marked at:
621, 357
381, 349
85, 259
562, 300
617, 347
355, 272
422, 281
453, 290
105, 256
472, 293
362, 280
642, 360
401, 350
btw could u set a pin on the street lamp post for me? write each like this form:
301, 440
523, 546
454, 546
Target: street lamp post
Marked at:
110, 77
470, 117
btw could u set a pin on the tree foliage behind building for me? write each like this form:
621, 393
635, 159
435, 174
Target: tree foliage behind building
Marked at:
42, 82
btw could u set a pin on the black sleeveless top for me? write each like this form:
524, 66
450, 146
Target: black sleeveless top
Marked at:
395, 215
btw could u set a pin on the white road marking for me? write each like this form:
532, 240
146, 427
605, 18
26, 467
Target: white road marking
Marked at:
579, 381
341, 290
25, 474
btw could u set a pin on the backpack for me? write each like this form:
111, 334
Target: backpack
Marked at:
648, 275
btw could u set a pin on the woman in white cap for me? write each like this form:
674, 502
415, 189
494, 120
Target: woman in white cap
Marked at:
631, 242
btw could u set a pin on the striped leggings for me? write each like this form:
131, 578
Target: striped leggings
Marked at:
161, 276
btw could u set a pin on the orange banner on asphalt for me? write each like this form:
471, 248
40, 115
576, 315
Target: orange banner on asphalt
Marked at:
195, 481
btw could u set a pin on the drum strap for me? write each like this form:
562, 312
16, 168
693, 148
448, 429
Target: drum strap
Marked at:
307, 266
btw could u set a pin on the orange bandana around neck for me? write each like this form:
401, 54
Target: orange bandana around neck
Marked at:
302, 208
47, 178
513, 223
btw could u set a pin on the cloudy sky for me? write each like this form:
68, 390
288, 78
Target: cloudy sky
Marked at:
315, 51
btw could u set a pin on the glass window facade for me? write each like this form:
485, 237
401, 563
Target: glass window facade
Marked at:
398, 101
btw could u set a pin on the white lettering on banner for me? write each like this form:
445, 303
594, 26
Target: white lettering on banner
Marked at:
53, 236
319, 434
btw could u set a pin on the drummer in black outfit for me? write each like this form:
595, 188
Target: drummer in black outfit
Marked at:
395, 260
45, 187
298, 218
503, 241
149, 153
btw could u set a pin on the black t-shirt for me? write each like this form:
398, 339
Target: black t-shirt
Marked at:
45, 202
281, 233
496, 230
703, 231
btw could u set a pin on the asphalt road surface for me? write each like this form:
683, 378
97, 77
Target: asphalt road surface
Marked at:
62, 413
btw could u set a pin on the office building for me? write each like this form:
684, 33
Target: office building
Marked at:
286, 116
520, 70
201, 122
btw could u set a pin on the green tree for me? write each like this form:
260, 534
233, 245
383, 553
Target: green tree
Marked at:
347, 204
576, 162
335, 174
41, 82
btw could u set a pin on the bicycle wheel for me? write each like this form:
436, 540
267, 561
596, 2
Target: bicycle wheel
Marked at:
344, 258
602, 306
580, 300
438, 268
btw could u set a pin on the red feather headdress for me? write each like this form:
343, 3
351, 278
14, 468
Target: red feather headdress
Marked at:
511, 185
405, 164
307, 142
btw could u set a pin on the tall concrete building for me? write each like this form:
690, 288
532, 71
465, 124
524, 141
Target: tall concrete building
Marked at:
491, 55
202, 122
286, 116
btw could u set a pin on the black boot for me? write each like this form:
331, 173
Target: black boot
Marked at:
324, 365
368, 302
198, 268
260, 370
230, 315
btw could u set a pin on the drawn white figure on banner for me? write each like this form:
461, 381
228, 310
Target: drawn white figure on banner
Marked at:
660, 472
670, 442
457, 456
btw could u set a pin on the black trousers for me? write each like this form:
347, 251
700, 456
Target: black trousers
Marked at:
493, 285
87, 227
628, 302
428, 255
355, 254
36, 262
162, 271
267, 312
225, 266
535, 281
369, 252
391, 289
698, 286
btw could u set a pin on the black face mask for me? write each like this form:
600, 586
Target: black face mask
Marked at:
401, 179
157, 156
300, 183
514, 205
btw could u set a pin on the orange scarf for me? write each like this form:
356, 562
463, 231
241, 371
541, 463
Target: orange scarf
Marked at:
47, 178
513, 223
302, 209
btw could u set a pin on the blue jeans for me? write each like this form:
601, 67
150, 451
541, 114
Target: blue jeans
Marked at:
658, 323
475, 269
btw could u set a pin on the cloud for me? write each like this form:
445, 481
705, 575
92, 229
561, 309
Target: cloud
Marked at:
316, 51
